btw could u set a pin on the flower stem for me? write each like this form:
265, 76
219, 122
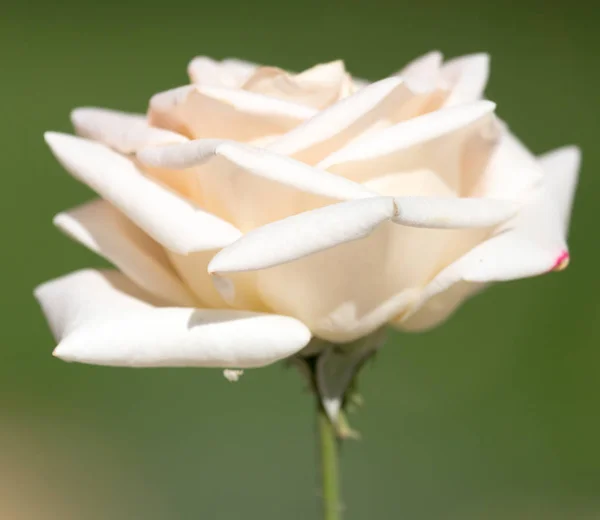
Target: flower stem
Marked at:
330, 484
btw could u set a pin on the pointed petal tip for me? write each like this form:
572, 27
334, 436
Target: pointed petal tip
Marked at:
79, 114
486, 105
58, 141
65, 353
37, 290
59, 220
482, 56
562, 262
571, 151
52, 138
217, 265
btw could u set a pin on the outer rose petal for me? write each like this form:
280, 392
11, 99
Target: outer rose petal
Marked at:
511, 173
312, 231
102, 318
170, 220
106, 231
530, 244
346, 291
124, 132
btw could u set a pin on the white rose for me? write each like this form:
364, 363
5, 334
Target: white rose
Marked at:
256, 209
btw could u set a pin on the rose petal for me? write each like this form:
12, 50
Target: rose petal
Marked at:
304, 234
511, 173
531, 243
227, 73
347, 291
170, 220
410, 133
255, 161
122, 131
376, 106
241, 67
422, 73
316, 87
102, 318
561, 172
106, 231
312, 231
451, 213
216, 112
466, 78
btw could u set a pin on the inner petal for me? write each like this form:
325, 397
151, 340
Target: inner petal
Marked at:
366, 112
458, 157
318, 87
213, 112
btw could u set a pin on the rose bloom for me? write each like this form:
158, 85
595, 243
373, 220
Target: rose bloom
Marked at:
255, 209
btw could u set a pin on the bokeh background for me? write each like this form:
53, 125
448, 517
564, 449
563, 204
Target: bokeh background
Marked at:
493, 416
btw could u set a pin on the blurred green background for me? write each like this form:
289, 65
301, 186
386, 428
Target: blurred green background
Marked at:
493, 416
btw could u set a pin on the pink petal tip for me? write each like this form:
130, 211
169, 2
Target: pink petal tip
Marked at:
561, 262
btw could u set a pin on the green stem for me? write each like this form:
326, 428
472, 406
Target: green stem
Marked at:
330, 483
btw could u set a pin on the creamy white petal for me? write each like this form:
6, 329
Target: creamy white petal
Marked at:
452, 213
102, 318
122, 131
410, 133
465, 77
243, 68
438, 308
238, 291
511, 173
205, 70
167, 109
347, 291
423, 72
256, 103
350, 290
255, 161
561, 172
318, 87
530, 244
312, 231
170, 220
304, 234
227, 73
102, 228
200, 111
340, 123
